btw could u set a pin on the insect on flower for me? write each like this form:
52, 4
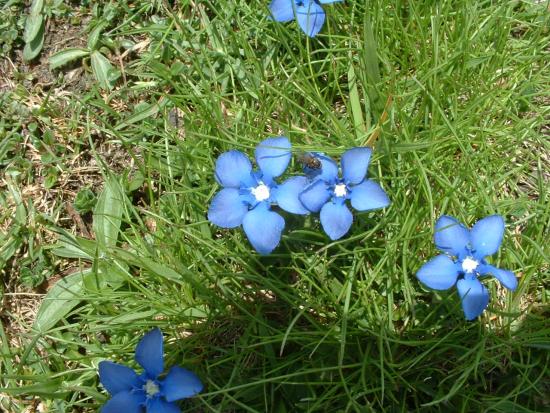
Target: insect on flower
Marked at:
464, 261
309, 160
146, 393
328, 192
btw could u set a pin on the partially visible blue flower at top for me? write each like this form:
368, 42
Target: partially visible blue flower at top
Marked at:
328, 192
308, 13
146, 393
247, 195
464, 261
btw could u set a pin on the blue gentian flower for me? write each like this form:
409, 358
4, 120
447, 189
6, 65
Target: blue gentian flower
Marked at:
309, 13
146, 393
464, 261
247, 195
328, 192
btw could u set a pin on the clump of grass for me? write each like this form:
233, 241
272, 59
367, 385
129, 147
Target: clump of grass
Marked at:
316, 326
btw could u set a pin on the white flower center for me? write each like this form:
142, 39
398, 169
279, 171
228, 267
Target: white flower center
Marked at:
469, 265
340, 190
151, 388
261, 192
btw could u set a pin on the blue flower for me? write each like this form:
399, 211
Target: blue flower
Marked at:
247, 195
464, 261
328, 193
145, 393
309, 13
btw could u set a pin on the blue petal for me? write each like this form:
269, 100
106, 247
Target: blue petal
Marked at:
315, 196
126, 402
368, 195
149, 353
506, 278
233, 169
273, 156
116, 377
474, 296
486, 236
311, 17
287, 195
355, 163
336, 219
328, 171
451, 236
180, 383
157, 405
282, 10
263, 228
440, 273
227, 209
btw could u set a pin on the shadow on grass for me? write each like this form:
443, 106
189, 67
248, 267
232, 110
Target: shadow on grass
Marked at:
275, 351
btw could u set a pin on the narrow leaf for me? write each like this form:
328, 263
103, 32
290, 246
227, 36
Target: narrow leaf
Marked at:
69, 291
46, 387
108, 214
9, 248
370, 58
93, 37
69, 247
60, 300
65, 56
148, 112
36, 7
32, 27
355, 102
102, 69
20, 216
33, 48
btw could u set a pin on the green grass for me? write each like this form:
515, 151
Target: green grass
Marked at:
317, 326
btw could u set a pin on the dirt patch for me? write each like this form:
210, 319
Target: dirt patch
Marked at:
47, 131
60, 34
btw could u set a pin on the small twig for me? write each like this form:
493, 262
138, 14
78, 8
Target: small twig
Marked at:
121, 63
78, 219
372, 138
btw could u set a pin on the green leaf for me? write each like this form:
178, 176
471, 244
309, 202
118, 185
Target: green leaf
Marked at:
370, 59
33, 48
20, 210
135, 182
148, 112
65, 56
200, 311
60, 300
95, 33
128, 318
69, 291
161, 269
104, 72
32, 27
36, 7
51, 177
85, 200
46, 386
9, 248
69, 247
355, 102
31, 277
108, 214
156, 267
